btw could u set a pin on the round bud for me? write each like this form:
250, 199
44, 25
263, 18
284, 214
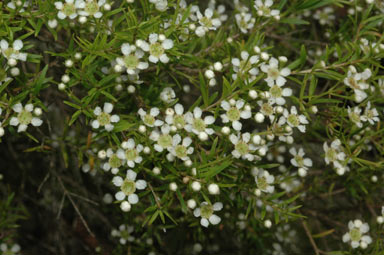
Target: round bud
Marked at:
256, 139
225, 130
173, 186
37, 111
288, 129
156, 170
61, 86
82, 19
192, 26
125, 206
196, 186
270, 137
203, 136
188, 163
213, 189
267, 223
283, 59
314, 109
162, 37
212, 82
209, 74
119, 87
68, 63
186, 179
229, 40
340, 171
257, 49
264, 56
194, 171
65, 78
380, 219
279, 109
232, 101
252, 94
218, 66
107, 7
146, 150
118, 68
142, 129
262, 151
197, 248
131, 89
102, 154
107, 198
173, 128
257, 192
130, 1
77, 55
15, 71
12, 62
170, 111
186, 88
52, 23
19, 3
191, 203
302, 172
1, 131
374, 178
289, 139
259, 117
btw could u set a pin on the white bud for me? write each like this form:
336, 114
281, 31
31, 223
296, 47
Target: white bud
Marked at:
257, 49
65, 78
213, 189
12, 62
173, 186
229, 40
363, 245
277, 17
15, 71
218, 66
187, 88
102, 154
288, 129
192, 26
340, 171
267, 223
270, 137
1, 131
142, 129
162, 37
191, 203
82, 19
173, 128
107, 7
374, 178
188, 163
77, 55
125, 206
131, 89
302, 172
119, 87
252, 94
380, 220
146, 150
370, 1
283, 59
194, 171
225, 130
262, 151
203, 136
107, 198
52, 23
209, 74
279, 109
314, 109
289, 139
264, 56
259, 117
61, 86
196, 186
156, 170
118, 68
232, 101
37, 111
197, 248
212, 82
256, 139
257, 192
130, 1
170, 111
68, 63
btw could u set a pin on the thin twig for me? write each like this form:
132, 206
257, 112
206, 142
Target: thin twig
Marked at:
317, 251
155, 196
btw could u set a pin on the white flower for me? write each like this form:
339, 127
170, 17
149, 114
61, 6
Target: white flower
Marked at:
130, 152
131, 59
355, 116
149, 118
325, 16
25, 116
160, 5
206, 212
267, 109
357, 81
91, 8
114, 162
235, 111
207, 22
245, 21
263, 8
68, 8
15, 4
163, 139
334, 154
244, 66
128, 187
124, 233
167, 95
264, 180
293, 119
14, 250
356, 236
104, 118
242, 146
13, 53
177, 119
275, 75
181, 150
157, 46
196, 124
298, 159
370, 115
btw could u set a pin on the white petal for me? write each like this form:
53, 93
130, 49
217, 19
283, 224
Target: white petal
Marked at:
120, 195
197, 112
22, 128
17, 107
187, 141
164, 58
167, 44
115, 118
36, 122
141, 184
204, 222
155, 111
17, 45
126, 48
108, 107
285, 71
179, 109
131, 175
217, 206
225, 105
237, 125
14, 121
133, 199
95, 124
209, 120
214, 219
197, 212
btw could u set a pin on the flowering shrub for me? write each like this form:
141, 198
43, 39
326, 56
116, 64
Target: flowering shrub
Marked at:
191, 127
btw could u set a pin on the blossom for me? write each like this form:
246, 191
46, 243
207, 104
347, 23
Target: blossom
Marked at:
167, 95
207, 22
263, 8
124, 233
355, 116
206, 212
264, 181
181, 148
357, 82
298, 159
14, 51
235, 110
128, 187
370, 115
131, 59
245, 21
196, 124
245, 66
293, 119
114, 162
242, 146
68, 8
92, 8
177, 118
130, 152
104, 118
157, 46
25, 116
160, 5
275, 75
149, 118
334, 154
357, 234
163, 139
325, 16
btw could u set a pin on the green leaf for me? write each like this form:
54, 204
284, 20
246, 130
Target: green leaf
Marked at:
295, 21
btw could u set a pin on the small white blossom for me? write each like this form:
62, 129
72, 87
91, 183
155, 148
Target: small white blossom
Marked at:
13, 53
298, 159
128, 187
293, 119
243, 147
69, 8
131, 59
157, 46
245, 66
235, 111
181, 148
357, 82
264, 180
357, 234
92, 8
245, 21
25, 116
207, 22
130, 152
263, 8
163, 138
355, 116
167, 95
275, 75
370, 115
124, 234
196, 124
334, 154
149, 118
13, 250
114, 162
104, 117
178, 119
325, 16
206, 212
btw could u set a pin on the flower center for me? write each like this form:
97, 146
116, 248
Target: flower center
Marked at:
299, 160
149, 120
69, 9
245, 65
131, 154
353, 83
355, 117
273, 73
128, 187
262, 183
124, 234
8, 52
131, 61
206, 22
165, 141
276, 91
265, 10
114, 161
266, 109
355, 234
293, 120
331, 154
199, 125
104, 119
156, 49
233, 114
242, 148
206, 211
179, 121
24, 117
181, 151
91, 8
